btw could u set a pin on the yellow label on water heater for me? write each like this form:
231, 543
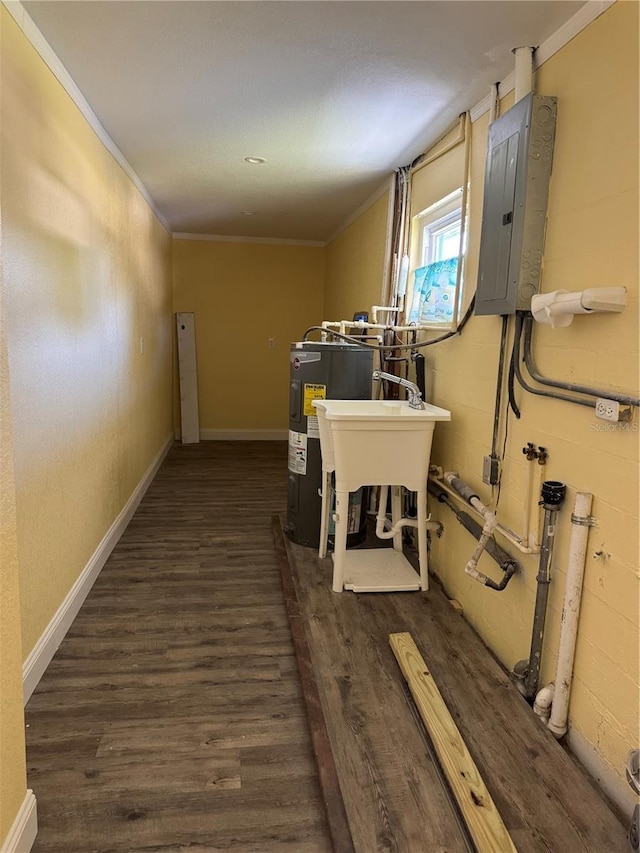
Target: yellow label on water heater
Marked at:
313, 392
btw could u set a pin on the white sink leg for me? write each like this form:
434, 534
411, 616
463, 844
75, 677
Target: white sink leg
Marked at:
324, 513
340, 537
422, 538
396, 515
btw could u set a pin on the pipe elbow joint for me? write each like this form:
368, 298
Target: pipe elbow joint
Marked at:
543, 702
471, 570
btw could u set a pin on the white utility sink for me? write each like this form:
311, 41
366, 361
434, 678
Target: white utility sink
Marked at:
376, 442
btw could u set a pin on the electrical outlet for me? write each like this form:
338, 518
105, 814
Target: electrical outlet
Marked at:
271, 343
607, 410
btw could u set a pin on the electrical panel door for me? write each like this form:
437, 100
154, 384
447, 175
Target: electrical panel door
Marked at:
516, 192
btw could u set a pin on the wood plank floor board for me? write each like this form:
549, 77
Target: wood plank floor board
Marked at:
121, 627
141, 820
202, 673
216, 768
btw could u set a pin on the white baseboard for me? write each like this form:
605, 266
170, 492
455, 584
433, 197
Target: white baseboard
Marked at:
613, 785
40, 656
241, 435
25, 827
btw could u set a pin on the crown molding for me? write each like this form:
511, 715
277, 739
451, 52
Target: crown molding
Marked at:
228, 238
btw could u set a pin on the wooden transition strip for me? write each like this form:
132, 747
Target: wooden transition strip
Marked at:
329, 783
487, 830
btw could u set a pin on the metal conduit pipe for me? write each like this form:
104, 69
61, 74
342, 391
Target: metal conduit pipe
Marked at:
624, 399
499, 383
418, 360
552, 497
515, 369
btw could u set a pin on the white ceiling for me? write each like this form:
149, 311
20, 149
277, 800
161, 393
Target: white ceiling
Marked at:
334, 95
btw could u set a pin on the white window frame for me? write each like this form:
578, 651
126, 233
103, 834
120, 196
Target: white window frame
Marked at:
432, 230
425, 225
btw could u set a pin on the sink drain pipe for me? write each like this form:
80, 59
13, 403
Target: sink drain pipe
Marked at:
386, 529
528, 672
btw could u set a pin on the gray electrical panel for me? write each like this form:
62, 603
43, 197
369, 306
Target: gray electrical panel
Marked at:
516, 192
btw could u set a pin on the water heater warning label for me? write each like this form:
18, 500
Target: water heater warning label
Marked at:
297, 452
313, 392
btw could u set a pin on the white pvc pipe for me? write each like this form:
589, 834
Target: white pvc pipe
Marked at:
384, 530
581, 521
403, 275
359, 324
490, 524
542, 705
487, 531
501, 529
524, 72
527, 503
375, 309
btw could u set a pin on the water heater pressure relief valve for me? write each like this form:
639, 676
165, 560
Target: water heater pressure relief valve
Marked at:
557, 309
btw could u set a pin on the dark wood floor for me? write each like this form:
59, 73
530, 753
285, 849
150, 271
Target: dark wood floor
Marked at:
171, 718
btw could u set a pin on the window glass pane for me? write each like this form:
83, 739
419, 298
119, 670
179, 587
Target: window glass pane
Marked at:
446, 243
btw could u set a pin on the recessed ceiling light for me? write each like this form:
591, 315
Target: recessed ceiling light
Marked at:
248, 213
255, 161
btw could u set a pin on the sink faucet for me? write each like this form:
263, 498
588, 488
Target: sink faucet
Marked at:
414, 396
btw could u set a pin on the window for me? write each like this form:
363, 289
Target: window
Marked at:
435, 254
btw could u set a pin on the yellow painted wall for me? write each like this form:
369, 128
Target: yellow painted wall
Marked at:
592, 240
355, 264
87, 273
241, 295
12, 758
